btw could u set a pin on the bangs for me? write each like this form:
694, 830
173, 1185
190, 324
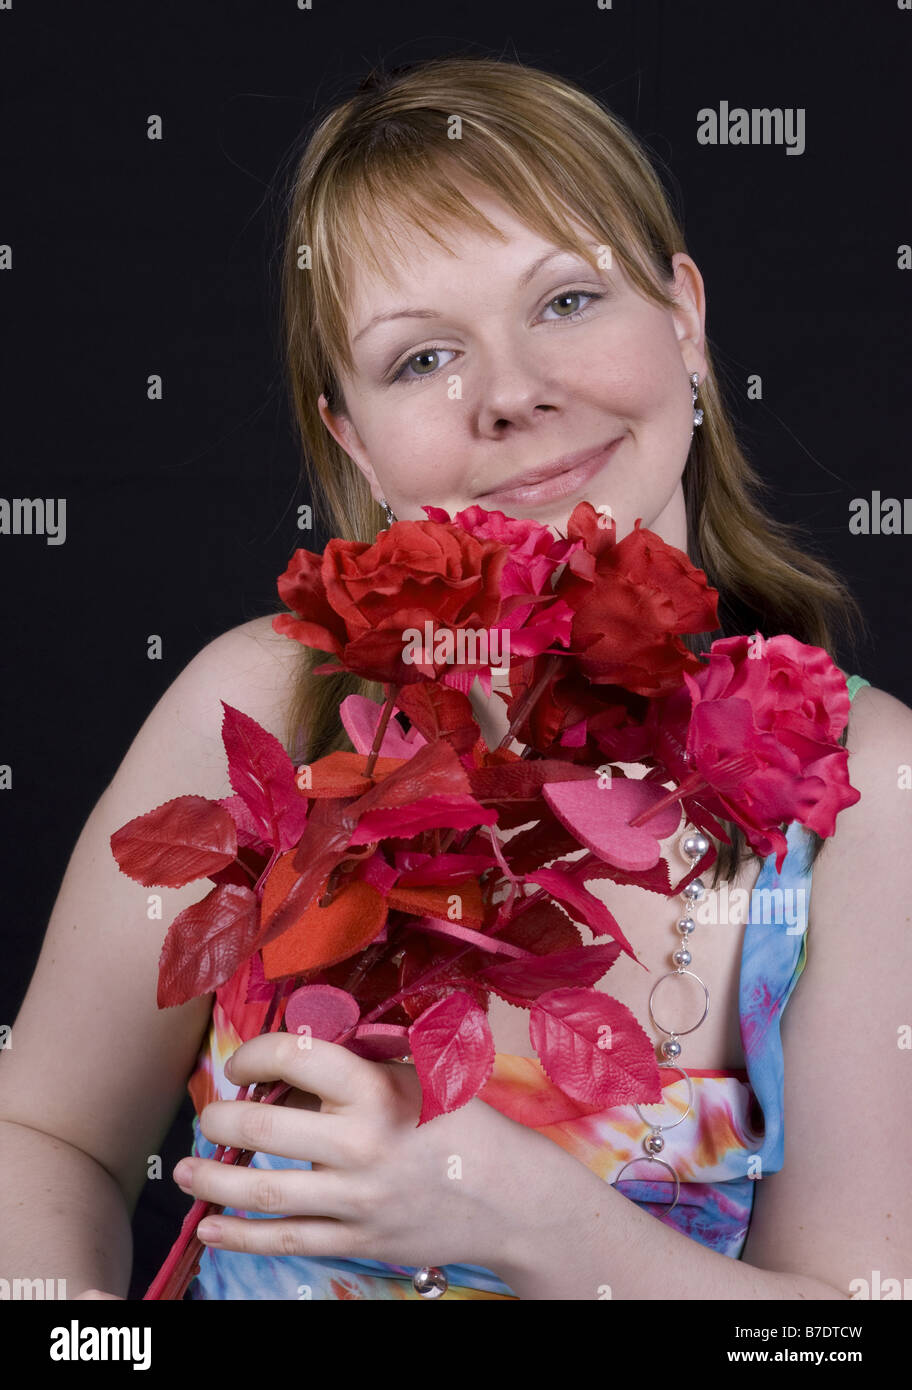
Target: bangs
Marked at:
378, 205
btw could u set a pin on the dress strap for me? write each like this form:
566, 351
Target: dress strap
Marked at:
854, 684
773, 957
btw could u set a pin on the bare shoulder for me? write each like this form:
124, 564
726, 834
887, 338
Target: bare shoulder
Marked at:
250, 667
879, 743
867, 859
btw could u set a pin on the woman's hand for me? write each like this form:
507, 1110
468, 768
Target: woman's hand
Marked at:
381, 1188
97, 1293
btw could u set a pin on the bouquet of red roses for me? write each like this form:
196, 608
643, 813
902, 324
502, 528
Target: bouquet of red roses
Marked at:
379, 896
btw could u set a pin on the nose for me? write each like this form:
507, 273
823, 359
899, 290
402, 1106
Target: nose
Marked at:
515, 389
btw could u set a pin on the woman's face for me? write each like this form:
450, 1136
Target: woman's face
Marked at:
476, 376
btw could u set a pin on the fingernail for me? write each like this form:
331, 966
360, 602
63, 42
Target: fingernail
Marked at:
183, 1175
209, 1230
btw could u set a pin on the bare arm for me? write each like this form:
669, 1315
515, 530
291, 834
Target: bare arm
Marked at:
96, 1072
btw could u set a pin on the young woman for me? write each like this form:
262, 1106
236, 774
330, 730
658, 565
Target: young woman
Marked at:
489, 301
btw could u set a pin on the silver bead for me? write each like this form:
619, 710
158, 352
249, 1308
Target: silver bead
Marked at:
694, 890
653, 1143
685, 925
694, 845
430, 1282
682, 956
671, 1048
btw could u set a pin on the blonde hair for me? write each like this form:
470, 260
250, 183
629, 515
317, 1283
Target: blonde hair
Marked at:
545, 148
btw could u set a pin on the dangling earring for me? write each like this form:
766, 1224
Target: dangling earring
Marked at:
694, 383
390, 518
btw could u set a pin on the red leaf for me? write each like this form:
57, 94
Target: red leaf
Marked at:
527, 979
249, 831
594, 1049
263, 775
185, 838
583, 905
523, 780
435, 812
435, 770
206, 943
540, 843
436, 711
542, 929
448, 867
453, 1052
259, 989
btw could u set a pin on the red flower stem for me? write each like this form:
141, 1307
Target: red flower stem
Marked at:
692, 783
182, 1262
528, 700
391, 692
258, 886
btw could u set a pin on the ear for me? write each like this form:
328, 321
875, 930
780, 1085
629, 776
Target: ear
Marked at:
690, 313
347, 437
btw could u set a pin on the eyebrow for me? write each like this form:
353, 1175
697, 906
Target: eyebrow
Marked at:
523, 280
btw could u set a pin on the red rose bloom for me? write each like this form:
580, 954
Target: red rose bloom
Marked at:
758, 727
632, 599
357, 599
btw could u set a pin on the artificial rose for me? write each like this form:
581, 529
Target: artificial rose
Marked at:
632, 599
758, 727
357, 599
535, 555
572, 718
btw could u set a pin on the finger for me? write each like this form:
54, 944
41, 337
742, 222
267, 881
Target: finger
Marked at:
315, 1237
339, 1077
271, 1191
279, 1130
98, 1293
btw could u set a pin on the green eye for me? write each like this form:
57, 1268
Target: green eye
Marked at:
575, 295
416, 357
570, 294
428, 352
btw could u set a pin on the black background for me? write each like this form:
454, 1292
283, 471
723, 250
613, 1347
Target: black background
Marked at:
133, 257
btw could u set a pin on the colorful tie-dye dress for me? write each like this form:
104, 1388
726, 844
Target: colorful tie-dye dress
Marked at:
733, 1135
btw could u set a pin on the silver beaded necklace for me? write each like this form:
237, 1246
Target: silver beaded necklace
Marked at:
693, 845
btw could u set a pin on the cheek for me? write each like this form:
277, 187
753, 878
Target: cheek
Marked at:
419, 457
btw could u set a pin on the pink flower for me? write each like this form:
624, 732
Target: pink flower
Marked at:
535, 620
761, 734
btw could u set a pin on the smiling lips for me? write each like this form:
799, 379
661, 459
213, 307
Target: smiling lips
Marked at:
552, 481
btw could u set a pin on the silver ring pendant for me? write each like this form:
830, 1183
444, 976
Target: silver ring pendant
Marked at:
678, 1032
670, 1066
651, 1158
